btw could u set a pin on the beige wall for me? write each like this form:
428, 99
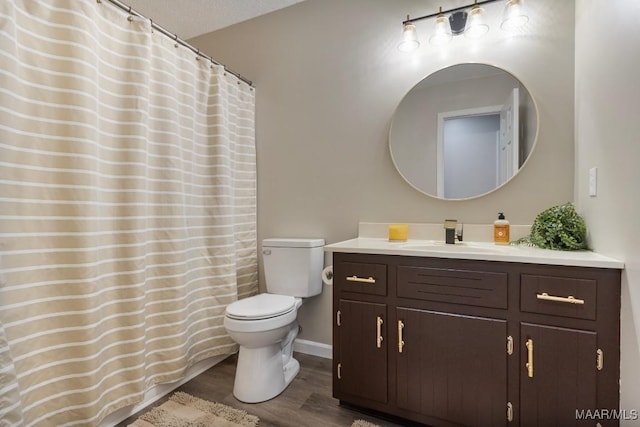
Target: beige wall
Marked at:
329, 77
608, 137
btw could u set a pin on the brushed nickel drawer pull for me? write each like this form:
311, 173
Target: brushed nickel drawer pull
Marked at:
400, 340
379, 338
570, 299
361, 279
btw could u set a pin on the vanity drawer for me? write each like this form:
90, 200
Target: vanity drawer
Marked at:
559, 296
361, 277
457, 286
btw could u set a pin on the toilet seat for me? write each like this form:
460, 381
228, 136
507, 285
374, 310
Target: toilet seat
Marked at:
262, 306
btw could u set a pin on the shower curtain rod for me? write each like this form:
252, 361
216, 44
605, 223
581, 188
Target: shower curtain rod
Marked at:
175, 37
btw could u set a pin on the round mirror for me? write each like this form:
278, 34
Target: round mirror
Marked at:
463, 131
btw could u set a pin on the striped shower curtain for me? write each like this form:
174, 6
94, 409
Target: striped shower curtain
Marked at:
127, 209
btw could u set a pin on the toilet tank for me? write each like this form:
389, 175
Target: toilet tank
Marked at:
293, 266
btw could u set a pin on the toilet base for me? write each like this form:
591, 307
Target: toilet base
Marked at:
260, 374
291, 369
264, 372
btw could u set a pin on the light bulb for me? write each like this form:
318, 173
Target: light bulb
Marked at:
475, 26
409, 41
441, 31
513, 16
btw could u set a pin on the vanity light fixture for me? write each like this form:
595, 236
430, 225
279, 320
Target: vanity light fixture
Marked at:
513, 16
409, 41
441, 31
467, 20
475, 27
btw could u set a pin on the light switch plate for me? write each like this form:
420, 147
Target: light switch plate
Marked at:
593, 182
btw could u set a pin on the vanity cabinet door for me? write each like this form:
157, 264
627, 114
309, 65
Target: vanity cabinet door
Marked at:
558, 375
452, 367
361, 365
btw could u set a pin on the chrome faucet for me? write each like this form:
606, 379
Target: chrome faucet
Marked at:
452, 231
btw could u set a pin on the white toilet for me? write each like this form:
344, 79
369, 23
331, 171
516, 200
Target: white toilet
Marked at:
265, 325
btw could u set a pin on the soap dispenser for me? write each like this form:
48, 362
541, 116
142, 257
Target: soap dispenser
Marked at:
501, 230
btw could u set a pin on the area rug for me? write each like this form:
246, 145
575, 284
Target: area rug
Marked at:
363, 423
184, 410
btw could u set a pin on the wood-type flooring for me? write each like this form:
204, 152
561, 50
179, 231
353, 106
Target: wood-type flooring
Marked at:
307, 402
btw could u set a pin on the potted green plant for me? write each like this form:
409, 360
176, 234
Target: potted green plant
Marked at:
559, 227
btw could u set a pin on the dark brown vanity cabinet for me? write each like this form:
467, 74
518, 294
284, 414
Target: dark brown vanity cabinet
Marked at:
363, 373
449, 342
561, 378
570, 345
452, 367
361, 321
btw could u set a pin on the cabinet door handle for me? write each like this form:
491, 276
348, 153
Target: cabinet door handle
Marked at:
379, 338
599, 360
339, 371
529, 364
361, 279
569, 300
400, 341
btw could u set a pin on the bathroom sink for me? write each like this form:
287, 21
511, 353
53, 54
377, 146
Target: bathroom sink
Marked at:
440, 246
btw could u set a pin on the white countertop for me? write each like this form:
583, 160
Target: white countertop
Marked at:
474, 250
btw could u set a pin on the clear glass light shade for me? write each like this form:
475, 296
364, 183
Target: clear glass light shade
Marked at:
409, 41
475, 23
513, 16
441, 31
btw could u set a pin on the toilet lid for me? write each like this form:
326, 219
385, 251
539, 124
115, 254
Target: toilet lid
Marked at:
262, 306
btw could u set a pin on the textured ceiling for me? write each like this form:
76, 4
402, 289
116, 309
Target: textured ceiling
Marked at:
191, 18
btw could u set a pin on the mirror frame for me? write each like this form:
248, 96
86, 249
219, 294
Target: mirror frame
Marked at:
526, 161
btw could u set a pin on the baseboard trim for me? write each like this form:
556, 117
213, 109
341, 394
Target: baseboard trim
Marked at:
159, 391
313, 348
